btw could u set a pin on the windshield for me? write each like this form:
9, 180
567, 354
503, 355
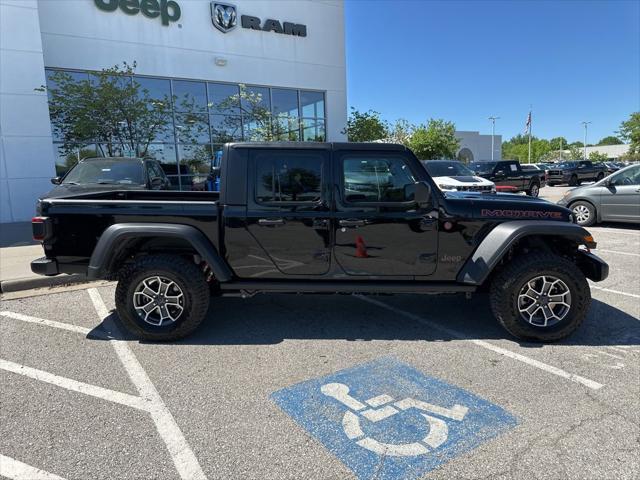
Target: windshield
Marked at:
566, 165
107, 171
447, 169
483, 167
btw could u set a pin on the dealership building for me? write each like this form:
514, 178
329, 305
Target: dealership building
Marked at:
289, 55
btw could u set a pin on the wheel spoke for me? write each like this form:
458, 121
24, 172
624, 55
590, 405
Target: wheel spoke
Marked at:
544, 301
158, 301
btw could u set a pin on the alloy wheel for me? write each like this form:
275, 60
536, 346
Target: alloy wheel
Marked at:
544, 301
158, 301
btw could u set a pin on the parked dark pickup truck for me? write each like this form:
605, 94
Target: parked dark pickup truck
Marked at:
509, 174
575, 172
321, 218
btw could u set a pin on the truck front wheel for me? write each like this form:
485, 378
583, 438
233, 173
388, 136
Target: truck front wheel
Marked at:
534, 190
161, 297
540, 297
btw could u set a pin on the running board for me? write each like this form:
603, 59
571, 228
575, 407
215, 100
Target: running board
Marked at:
306, 286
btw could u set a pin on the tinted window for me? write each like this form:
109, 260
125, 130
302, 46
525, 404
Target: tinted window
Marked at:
312, 104
107, 171
377, 179
285, 102
189, 96
224, 98
447, 169
483, 167
288, 176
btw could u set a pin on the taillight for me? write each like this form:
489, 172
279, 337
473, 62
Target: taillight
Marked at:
40, 228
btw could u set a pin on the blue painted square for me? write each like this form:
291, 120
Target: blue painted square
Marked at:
388, 420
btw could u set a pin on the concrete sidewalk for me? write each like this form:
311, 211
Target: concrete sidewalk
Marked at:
16, 274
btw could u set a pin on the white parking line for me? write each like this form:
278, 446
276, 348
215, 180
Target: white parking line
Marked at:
502, 351
48, 323
183, 457
617, 252
16, 470
626, 294
75, 386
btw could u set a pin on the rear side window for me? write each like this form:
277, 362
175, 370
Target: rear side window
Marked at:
377, 178
288, 176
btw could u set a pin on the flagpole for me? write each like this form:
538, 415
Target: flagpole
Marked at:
530, 125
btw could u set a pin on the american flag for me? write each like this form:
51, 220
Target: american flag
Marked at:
527, 126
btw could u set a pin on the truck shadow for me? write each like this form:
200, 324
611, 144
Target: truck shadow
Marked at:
271, 319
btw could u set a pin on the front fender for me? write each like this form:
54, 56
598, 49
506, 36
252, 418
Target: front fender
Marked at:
498, 242
120, 233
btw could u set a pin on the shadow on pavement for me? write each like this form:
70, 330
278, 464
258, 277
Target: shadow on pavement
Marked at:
271, 319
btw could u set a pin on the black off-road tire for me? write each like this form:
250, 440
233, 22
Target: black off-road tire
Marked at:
590, 208
506, 286
534, 190
185, 274
573, 182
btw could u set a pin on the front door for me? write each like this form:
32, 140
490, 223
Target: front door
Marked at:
620, 199
379, 228
288, 210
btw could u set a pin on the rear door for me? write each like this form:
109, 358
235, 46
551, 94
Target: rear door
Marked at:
379, 229
289, 209
620, 199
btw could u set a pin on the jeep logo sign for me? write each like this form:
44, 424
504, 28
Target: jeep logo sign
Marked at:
224, 15
167, 10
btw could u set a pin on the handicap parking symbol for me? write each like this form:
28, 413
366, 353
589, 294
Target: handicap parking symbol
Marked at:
388, 420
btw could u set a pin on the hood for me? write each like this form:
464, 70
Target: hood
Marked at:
462, 180
510, 207
66, 190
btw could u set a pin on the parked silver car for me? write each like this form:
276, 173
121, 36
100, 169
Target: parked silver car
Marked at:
612, 199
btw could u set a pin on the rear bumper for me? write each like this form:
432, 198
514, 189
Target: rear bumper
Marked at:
592, 266
45, 266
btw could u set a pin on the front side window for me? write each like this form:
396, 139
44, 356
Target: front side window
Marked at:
288, 177
627, 177
377, 179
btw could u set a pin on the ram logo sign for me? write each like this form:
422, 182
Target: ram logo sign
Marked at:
223, 16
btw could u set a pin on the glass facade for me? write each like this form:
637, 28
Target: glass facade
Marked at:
204, 115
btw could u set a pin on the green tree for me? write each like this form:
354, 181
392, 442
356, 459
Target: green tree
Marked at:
517, 148
401, 132
365, 126
598, 157
630, 132
610, 140
110, 110
576, 152
435, 140
558, 143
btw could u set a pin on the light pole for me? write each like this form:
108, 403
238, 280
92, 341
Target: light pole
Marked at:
586, 126
493, 133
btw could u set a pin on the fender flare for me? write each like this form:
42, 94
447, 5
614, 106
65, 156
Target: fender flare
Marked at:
497, 243
119, 233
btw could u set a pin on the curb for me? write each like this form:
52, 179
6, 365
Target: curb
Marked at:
28, 283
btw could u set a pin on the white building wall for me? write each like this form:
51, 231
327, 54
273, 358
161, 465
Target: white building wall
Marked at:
480, 145
612, 151
26, 151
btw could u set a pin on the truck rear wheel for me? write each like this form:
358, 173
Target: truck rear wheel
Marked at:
540, 297
161, 297
534, 190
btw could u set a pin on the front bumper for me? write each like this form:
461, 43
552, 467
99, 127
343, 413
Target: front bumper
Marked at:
45, 266
593, 267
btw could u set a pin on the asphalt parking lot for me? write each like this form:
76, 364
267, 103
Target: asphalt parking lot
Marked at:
80, 402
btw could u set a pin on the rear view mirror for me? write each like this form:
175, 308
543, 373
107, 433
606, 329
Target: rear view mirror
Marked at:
56, 180
422, 194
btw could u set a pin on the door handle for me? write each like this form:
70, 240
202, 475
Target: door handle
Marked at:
270, 222
351, 223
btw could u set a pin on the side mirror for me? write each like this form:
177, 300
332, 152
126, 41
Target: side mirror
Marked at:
422, 194
56, 180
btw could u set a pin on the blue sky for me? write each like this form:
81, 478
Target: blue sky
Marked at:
466, 60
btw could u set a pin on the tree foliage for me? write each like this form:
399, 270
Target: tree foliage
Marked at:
365, 126
434, 140
109, 109
517, 148
598, 157
630, 132
610, 140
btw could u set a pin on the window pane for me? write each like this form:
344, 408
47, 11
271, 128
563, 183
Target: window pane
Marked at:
66, 160
115, 150
195, 159
59, 79
192, 128
120, 81
313, 130
224, 98
288, 176
156, 89
312, 104
377, 179
189, 96
285, 102
225, 128
256, 129
254, 100
286, 129
166, 155
162, 132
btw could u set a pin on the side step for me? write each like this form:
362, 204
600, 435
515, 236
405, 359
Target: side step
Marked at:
306, 286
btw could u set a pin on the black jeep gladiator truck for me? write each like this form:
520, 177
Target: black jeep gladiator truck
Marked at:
509, 173
573, 173
321, 218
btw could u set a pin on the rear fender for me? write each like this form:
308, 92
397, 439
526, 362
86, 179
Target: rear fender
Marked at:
498, 242
110, 245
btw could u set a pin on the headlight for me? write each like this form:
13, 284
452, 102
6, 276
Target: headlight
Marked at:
447, 187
